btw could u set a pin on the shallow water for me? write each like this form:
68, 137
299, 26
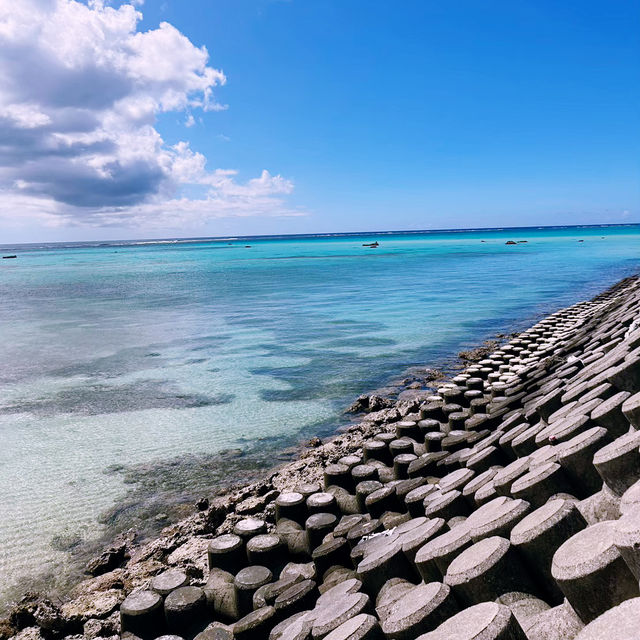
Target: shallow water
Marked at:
129, 366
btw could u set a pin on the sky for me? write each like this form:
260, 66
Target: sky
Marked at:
174, 118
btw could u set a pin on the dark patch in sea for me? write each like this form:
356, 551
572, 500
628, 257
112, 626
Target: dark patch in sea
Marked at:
94, 399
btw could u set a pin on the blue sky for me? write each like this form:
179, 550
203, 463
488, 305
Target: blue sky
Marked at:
376, 115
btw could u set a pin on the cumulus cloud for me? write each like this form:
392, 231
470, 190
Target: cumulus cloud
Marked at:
80, 91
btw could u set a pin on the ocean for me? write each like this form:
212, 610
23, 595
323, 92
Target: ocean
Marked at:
139, 375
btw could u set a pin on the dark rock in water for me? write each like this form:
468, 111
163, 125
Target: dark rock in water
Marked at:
510, 242
8, 257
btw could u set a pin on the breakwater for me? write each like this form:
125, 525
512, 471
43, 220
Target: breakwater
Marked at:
504, 505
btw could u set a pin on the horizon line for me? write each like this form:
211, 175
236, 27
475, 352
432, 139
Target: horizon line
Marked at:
327, 234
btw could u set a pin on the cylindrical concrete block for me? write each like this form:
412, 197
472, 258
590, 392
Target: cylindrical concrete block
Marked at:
487, 570
576, 458
412, 541
291, 505
542, 482
363, 529
608, 414
295, 627
621, 622
317, 526
227, 552
538, 535
456, 480
627, 540
401, 464
338, 475
167, 581
256, 625
433, 559
322, 502
381, 500
484, 621
503, 480
185, 610
377, 450
298, 597
267, 550
246, 583
364, 489
414, 500
346, 523
618, 463
631, 410
420, 610
447, 505
249, 527
591, 572
360, 627
331, 553
385, 561
496, 518
408, 429
476, 483
338, 612
221, 595
363, 472
295, 538
426, 465
142, 614
486, 458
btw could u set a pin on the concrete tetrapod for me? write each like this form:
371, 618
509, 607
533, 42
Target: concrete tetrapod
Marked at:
433, 559
337, 612
421, 609
486, 570
361, 627
591, 572
538, 536
618, 463
627, 539
141, 613
619, 623
185, 610
484, 621
167, 581
227, 552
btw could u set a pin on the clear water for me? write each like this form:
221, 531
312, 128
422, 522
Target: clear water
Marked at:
139, 362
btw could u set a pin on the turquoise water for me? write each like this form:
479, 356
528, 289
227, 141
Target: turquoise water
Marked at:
127, 367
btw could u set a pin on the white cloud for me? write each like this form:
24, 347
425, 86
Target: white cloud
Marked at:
80, 91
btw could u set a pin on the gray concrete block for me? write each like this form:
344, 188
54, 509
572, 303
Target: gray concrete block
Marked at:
591, 572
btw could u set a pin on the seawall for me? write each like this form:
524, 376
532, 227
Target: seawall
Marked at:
504, 505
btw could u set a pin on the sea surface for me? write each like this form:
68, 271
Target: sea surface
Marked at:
138, 375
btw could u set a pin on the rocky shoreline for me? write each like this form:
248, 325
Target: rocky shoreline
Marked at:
512, 434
